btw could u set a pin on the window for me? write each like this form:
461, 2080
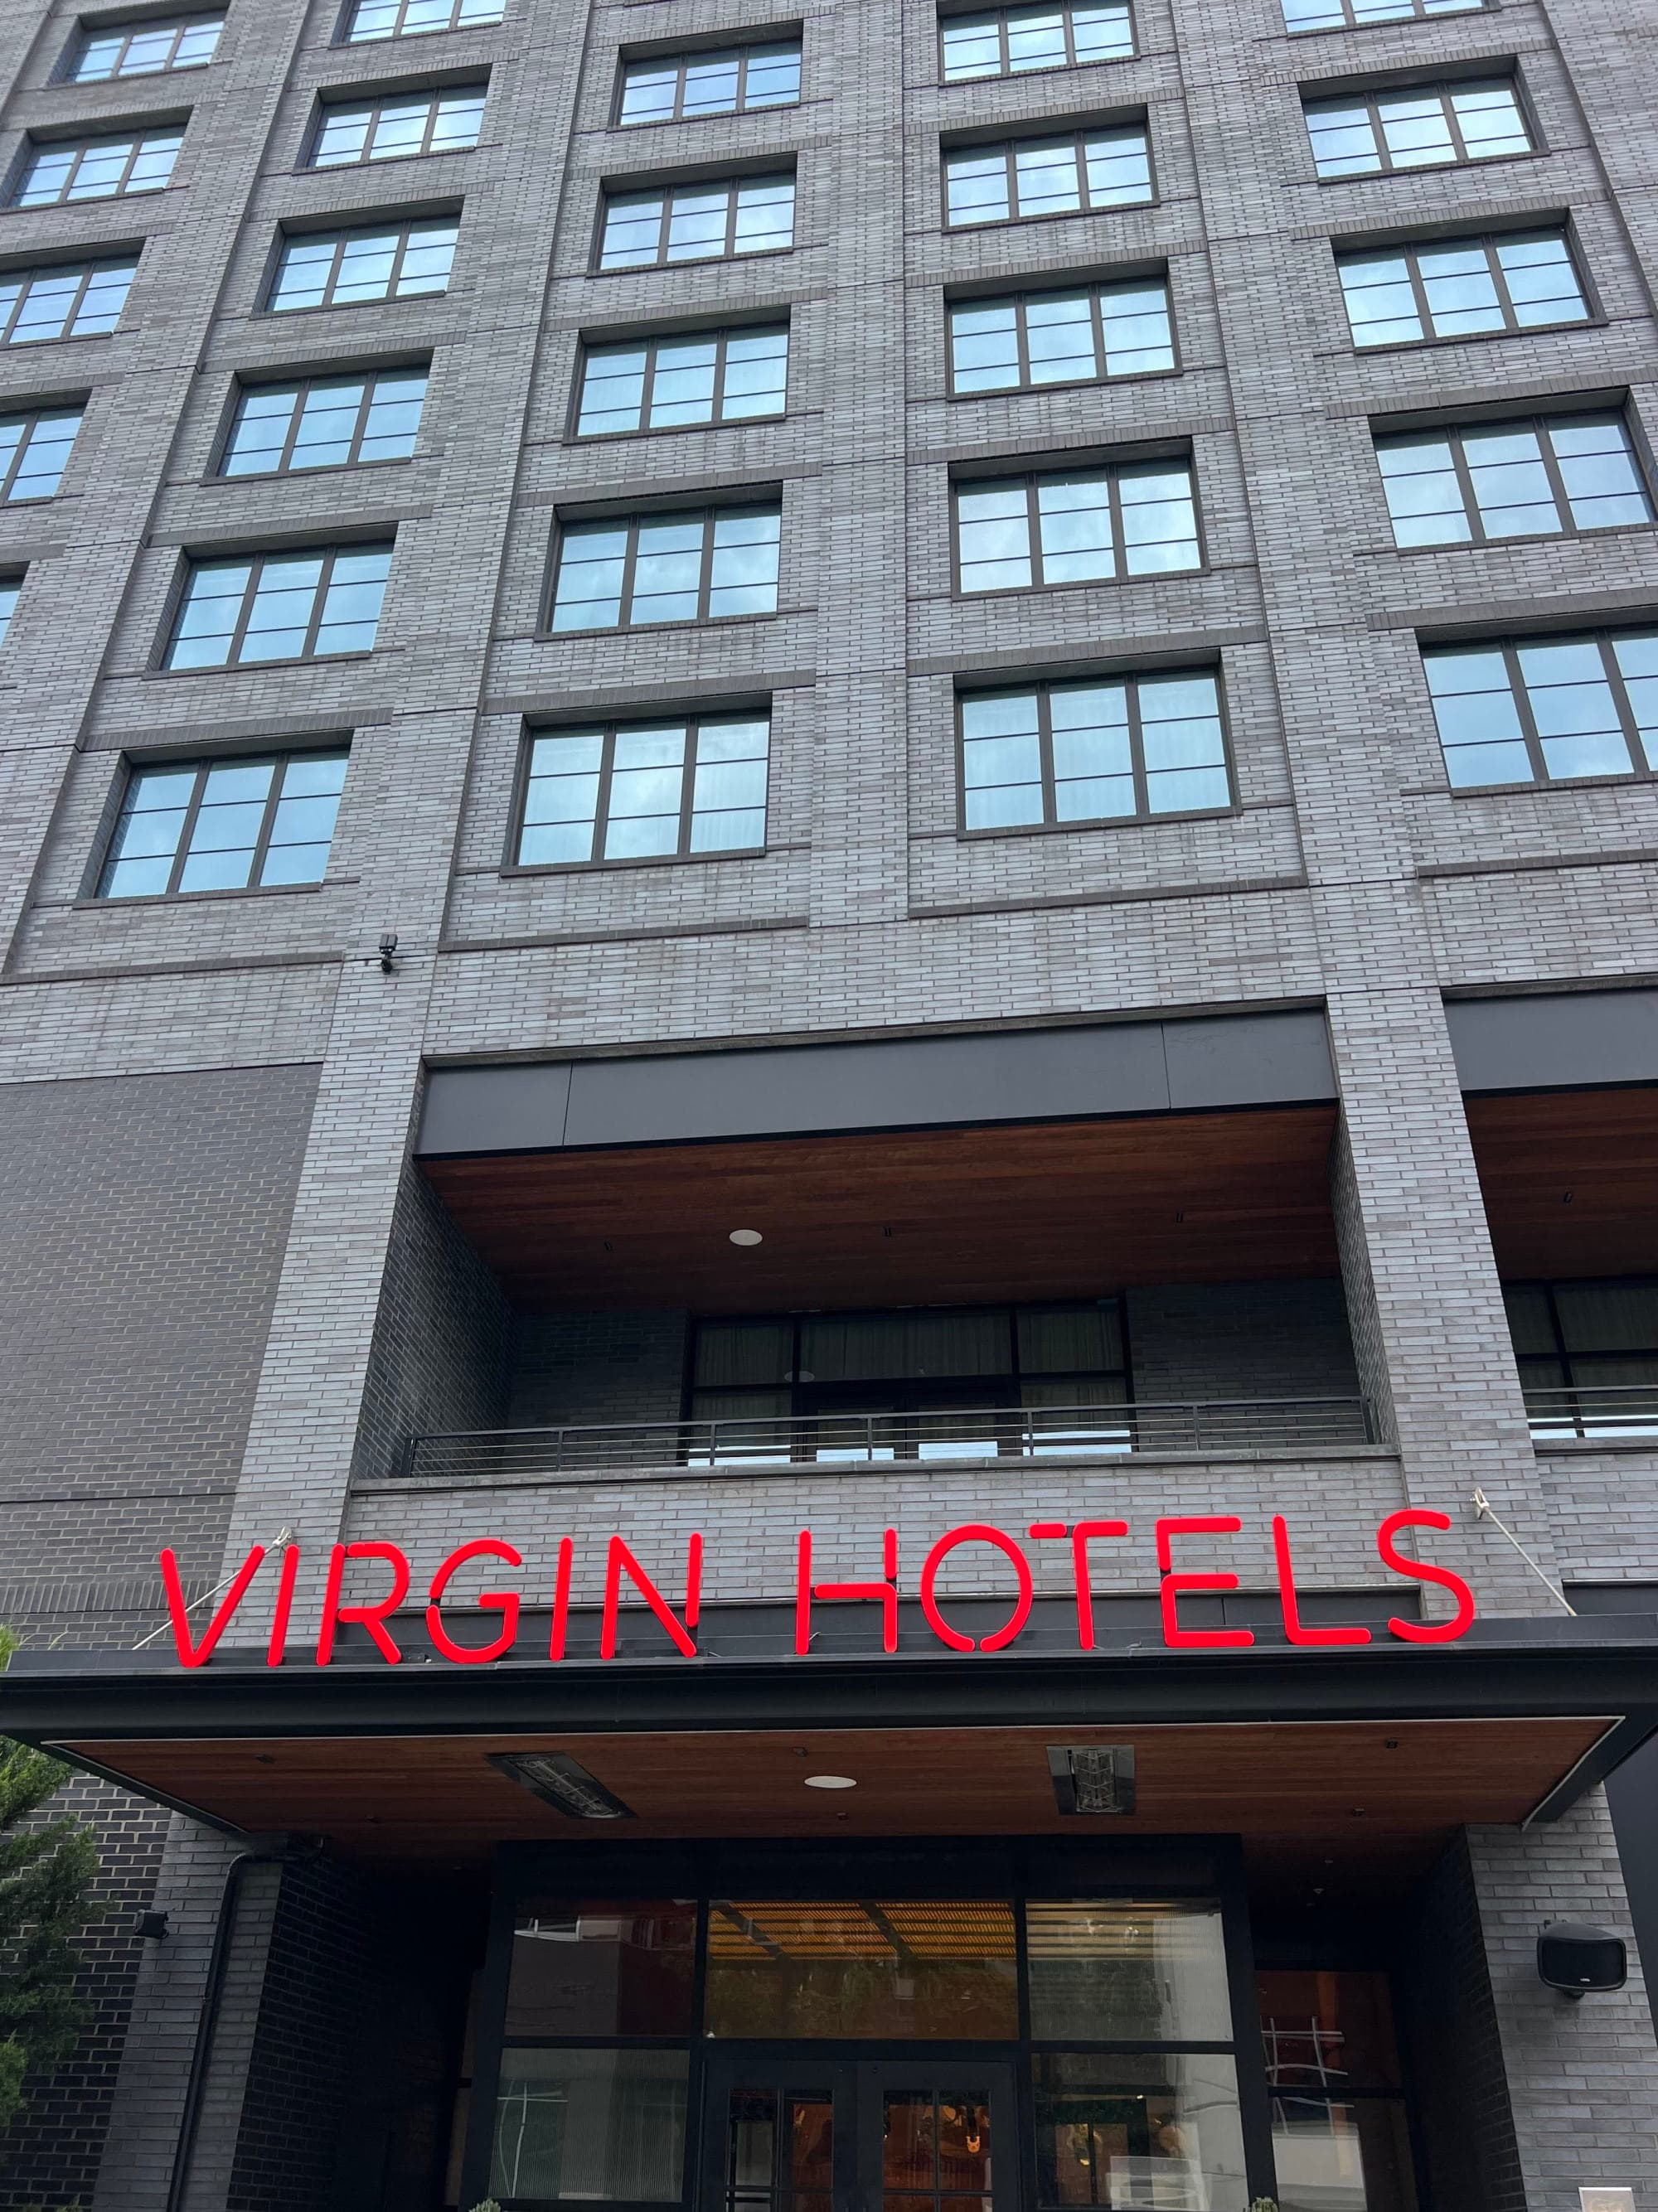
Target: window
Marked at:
33, 451
347, 268
1016, 40
697, 222
324, 423
1354, 15
1047, 176
392, 130
224, 825
1093, 752
75, 299
410, 19
145, 49
1546, 709
96, 168
644, 791
1380, 133
1339, 2132
1039, 338
1548, 479
9, 587
668, 568
1588, 1354
668, 384
1469, 288
279, 606
682, 88
1016, 534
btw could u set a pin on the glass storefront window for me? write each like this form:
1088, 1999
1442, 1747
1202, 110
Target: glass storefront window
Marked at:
599, 1969
935, 2150
1339, 2138
606, 2126
780, 2150
1157, 2132
1127, 1970
892, 1971
1336, 2154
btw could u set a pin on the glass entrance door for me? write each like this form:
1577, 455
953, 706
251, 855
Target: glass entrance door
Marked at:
859, 2136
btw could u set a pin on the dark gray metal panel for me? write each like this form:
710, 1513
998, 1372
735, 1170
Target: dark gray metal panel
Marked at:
1014, 1075
1249, 1059
1017, 1075
1561, 1041
495, 1109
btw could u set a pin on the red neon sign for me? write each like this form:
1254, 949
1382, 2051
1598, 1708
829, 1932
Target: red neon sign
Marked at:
381, 1576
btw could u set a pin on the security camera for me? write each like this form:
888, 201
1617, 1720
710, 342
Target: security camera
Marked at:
1575, 1957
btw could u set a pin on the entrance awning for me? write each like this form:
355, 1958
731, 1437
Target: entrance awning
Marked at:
395, 1764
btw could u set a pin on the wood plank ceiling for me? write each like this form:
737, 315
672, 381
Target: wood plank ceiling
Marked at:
940, 1217
437, 1799
1570, 1181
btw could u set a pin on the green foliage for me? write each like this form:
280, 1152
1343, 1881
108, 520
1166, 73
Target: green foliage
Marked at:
47, 1870
488, 2205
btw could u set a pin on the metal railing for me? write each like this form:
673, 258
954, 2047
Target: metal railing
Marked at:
1209, 1426
1608, 1410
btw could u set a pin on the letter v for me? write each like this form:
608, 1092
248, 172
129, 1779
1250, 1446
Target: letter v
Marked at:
197, 1655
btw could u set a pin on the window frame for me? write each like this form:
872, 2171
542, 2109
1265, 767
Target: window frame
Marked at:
1413, 11
1044, 687
134, 764
1031, 479
191, 564
1020, 302
372, 106
33, 149
634, 519
348, 16
1077, 140
608, 728
301, 385
681, 58
1568, 527
85, 34
1602, 636
1067, 9
1441, 90
33, 417
1487, 242
720, 333
404, 231
85, 270
731, 184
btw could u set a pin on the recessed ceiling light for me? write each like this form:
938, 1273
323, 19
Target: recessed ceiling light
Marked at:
830, 1782
561, 1781
746, 1236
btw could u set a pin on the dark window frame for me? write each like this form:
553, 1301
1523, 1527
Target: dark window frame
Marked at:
1409, 11
300, 387
683, 61
1031, 480
1067, 9
721, 334
190, 566
11, 580
33, 416
1509, 645
730, 185
1043, 688
634, 521
372, 107
1487, 242
1567, 525
608, 729
86, 270
1442, 92
1019, 302
35, 149
403, 231
85, 34
1007, 147
349, 14
204, 763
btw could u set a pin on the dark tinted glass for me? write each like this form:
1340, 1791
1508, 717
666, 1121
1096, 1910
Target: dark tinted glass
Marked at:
587, 1969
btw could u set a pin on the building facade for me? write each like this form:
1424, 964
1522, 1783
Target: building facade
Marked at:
828, 852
